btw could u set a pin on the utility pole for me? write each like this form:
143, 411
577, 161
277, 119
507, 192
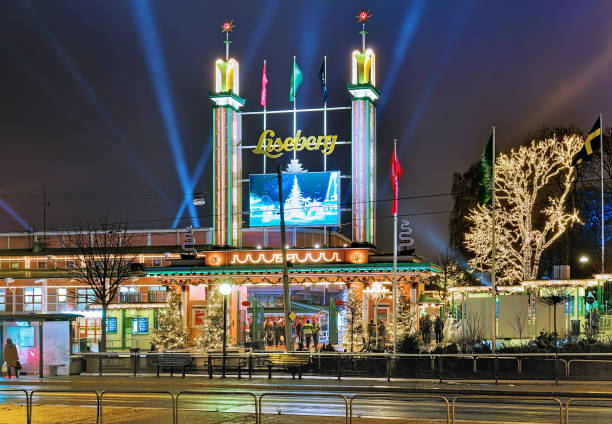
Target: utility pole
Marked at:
286, 292
45, 206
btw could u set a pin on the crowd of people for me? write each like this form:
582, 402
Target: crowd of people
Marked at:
426, 325
305, 331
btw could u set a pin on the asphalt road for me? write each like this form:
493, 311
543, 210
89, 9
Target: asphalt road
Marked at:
297, 406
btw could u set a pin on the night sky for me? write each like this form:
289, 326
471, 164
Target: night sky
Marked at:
106, 102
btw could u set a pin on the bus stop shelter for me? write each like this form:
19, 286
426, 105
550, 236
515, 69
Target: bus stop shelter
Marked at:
43, 341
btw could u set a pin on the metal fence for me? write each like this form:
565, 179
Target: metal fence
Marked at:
445, 405
531, 366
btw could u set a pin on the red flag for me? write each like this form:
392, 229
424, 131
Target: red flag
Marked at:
264, 83
396, 173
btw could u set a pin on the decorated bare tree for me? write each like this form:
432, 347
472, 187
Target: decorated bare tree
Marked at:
171, 333
106, 254
525, 225
452, 274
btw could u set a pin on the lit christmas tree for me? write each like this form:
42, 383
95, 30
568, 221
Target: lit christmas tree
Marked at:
406, 321
294, 205
171, 334
353, 321
212, 330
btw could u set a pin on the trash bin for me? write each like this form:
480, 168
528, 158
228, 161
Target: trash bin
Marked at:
135, 358
575, 324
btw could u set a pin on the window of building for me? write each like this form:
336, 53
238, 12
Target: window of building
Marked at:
42, 265
129, 294
156, 262
140, 325
32, 300
157, 294
2, 300
14, 265
85, 297
59, 302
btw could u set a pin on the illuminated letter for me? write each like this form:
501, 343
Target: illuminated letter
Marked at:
261, 149
330, 144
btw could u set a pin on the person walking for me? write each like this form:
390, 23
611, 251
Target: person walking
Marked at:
308, 333
11, 358
315, 333
438, 327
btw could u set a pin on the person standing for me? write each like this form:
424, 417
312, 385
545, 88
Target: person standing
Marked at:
371, 332
298, 332
315, 333
382, 334
438, 327
308, 332
276, 331
11, 358
282, 331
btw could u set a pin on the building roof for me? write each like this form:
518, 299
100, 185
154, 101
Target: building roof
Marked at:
38, 317
294, 269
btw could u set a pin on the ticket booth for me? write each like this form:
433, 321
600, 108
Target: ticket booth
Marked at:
43, 341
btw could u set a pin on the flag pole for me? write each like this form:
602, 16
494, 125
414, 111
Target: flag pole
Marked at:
395, 261
493, 253
601, 152
265, 229
294, 109
324, 133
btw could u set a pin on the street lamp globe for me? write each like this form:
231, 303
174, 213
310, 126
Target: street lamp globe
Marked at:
225, 289
583, 259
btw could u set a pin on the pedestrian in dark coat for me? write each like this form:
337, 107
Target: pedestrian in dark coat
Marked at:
438, 327
11, 358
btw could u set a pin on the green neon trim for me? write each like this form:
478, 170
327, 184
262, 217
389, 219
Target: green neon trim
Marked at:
331, 268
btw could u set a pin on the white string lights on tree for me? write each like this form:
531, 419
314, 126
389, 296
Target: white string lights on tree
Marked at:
532, 183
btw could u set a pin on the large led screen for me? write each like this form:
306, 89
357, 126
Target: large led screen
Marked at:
311, 199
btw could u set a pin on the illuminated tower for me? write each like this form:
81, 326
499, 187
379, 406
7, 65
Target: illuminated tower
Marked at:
227, 153
363, 142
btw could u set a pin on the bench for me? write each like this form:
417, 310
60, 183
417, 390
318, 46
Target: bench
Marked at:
231, 362
172, 361
53, 369
292, 363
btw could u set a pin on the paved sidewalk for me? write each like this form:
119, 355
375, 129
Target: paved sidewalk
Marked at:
346, 385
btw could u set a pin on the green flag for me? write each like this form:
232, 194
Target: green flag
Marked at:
296, 80
485, 173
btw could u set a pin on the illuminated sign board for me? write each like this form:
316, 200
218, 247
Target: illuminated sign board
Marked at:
311, 199
274, 147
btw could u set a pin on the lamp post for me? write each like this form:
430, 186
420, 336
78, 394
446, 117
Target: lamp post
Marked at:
375, 293
225, 289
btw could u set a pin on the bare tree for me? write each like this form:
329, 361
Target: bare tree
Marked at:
519, 323
105, 257
473, 333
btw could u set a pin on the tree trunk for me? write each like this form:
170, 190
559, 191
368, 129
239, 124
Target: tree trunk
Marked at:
102, 347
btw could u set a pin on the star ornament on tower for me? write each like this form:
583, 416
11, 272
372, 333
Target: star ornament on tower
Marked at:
228, 26
363, 16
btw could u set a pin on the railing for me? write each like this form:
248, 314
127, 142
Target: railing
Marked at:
551, 407
441, 367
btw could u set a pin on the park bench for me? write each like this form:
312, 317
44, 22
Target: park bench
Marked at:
172, 361
215, 361
295, 364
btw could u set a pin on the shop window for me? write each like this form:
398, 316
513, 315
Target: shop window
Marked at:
140, 325
2, 300
32, 300
111, 324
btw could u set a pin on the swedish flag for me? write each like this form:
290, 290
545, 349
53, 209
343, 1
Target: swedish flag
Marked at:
591, 144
